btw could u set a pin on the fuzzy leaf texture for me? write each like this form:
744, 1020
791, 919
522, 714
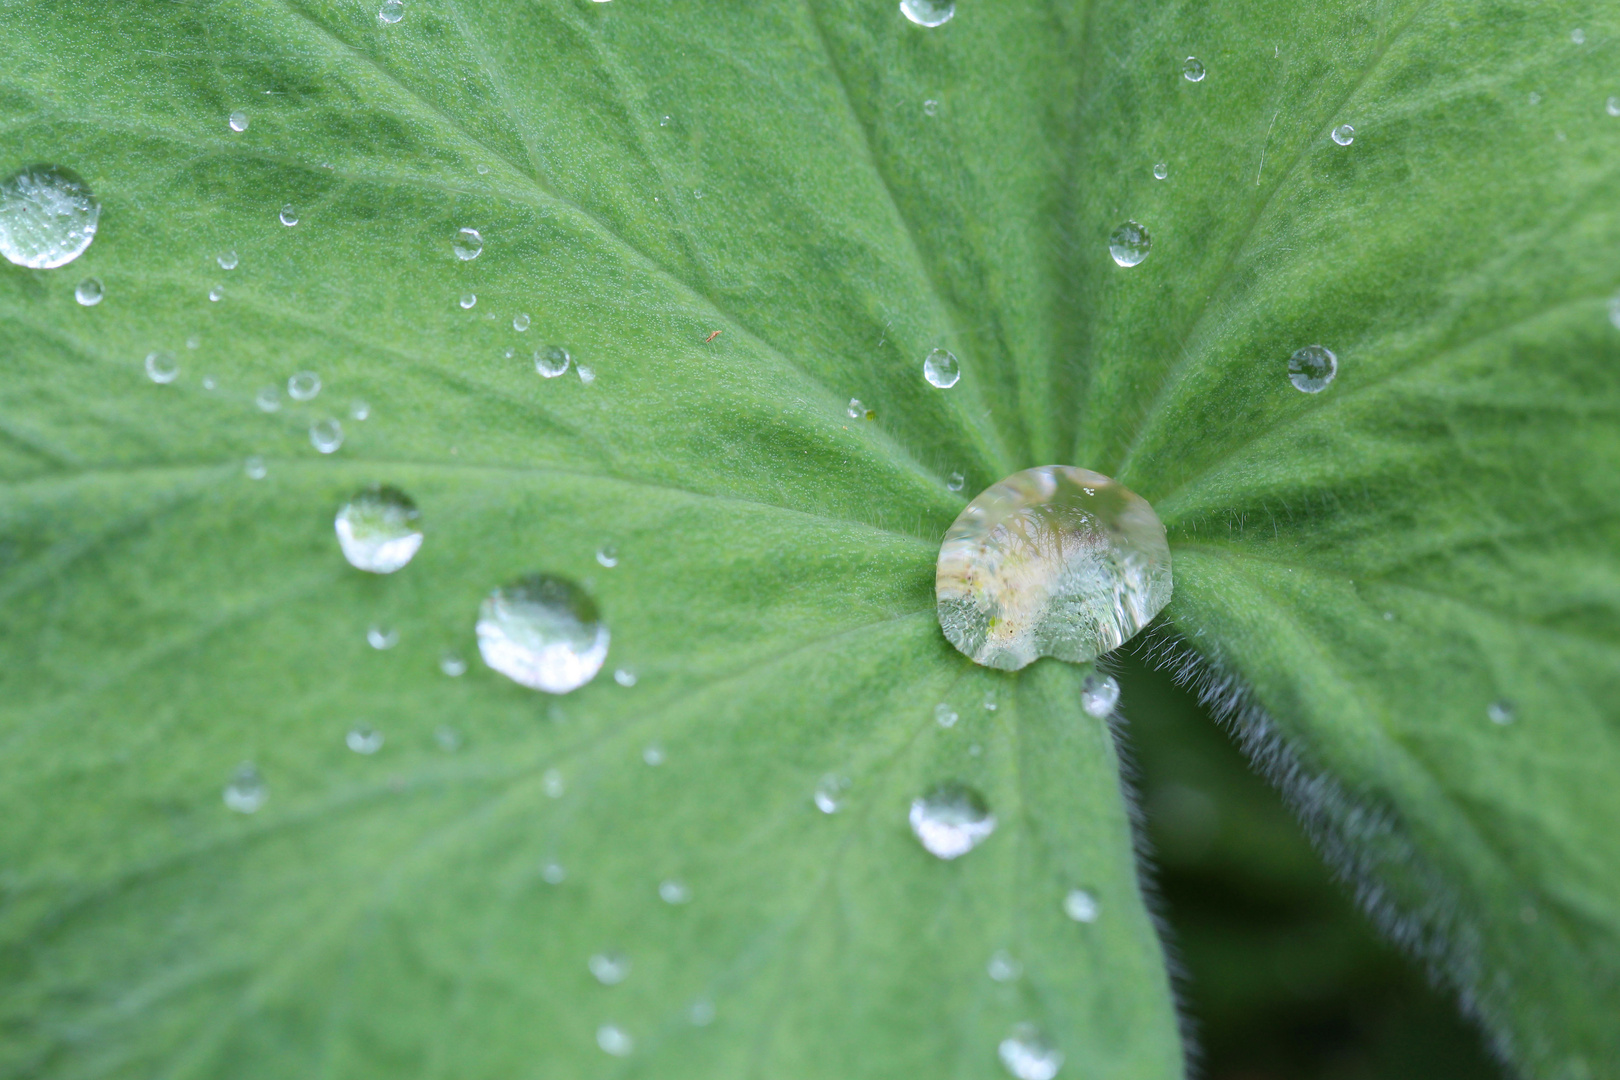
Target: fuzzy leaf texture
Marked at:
1360, 574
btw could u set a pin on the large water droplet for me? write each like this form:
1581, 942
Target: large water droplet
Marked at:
1099, 694
1192, 69
162, 367
364, 739
238, 120
829, 793
289, 215
855, 410
378, 530
227, 260
1052, 561
951, 820
326, 435
928, 12
941, 369
542, 632
467, 245
1029, 1055
551, 361
391, 12
303, 386
1160, 171
1311, 369
1080, 906
89, 292
610, 969
520, 321
1344, 134
1130, 243
468, 300
615, 1040
48, 216
246, 791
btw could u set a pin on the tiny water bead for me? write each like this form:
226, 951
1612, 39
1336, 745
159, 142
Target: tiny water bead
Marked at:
951, 820
227, 260
930, 107
89, 292
928, 12
359, 410
468, 300
552, 783
945, 716
989, 701
303, 386
1003, 966
1578, 36
855, 410
941, 369
1027, 1054
1130, 243
254, 468
246, 791
552, 361
1312, 368
379, 530
520, 322
216, 294
674, 892
391, 12
363, 739
452, 665
1192, 69
954, 481
467, 245
382, 638
624, 677
614, 1040
554, 873
586, 375
542, 632
1160, 171
238, 120
653, 755
1344, 134
829, 793
1612, 106
268, 399
326, 435
288, 215
1501, 712
1080, 906
208, 383
162, 367
1052, 561
1099, 694
608, 556
610, 969
48, 216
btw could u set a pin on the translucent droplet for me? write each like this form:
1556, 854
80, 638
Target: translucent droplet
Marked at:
928, 12
586, 375
89, 292
448, 738
664, 121
944, 715
468, 300
551, 361
379, 529
653, 754
1344, 134
208, 383
193, 342
989, 701
268, 399
1312, 368
483, 170
1099, 694
48, 216
1160, 171
1080, 906
674, 892
1029, 1055
954, 481
520, 322
162, 367
554, 873
1578, 36
452, 665
951, 820
1053, 561
607, 555
1500, 711
216, 294
254, 468
382, 637
552, 783
624, 677
363, 739
1130, 243
289, 215
1003, 966
615, 1040
829, 793
941, 369
1193, 69
467, 245
855, 410
246, 791
542, 632
227, 260
610, 969
701, 1013
391, 12
326, 435
239, 120
930, 107
1612, 106
359, 410
303, 386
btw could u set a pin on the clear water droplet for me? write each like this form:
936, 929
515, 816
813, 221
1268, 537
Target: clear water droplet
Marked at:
1312, 368
614, 1040
1160, 171
1344, 134
364, 739
326, 435
1500, 711
945, 716
1130, 243
928, 12
551, 361
829, 793
382, 637
930, 107
610, 969
554, 873
227, 260
48, 216
379, 529
1578, 36
1027, 1054
951, 820
607, 555
1080, 906
855, 410
586, 375
1099, 694
1053, 561
246, 791
1192, 69
452, 665
653, 754
624, 677
289, 215
391, 12
468, 300
989, 701
1612, 106
1003, 966
208, 383
359, 410
303, 386
216, 294
674, 891
89, 292
553, 784
701, 1013
483, 170
467, 245
255, 468
268, 399
447, 738
162, 367
542, 632
941, 369
520, 322
238, 120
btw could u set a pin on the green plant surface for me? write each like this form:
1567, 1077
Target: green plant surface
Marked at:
644, 176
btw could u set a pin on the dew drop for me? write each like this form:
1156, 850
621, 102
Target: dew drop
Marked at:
359, 410
624, 677
928, 12
615, 1040
289, 215
951, 820
552, 783
1028, 1055
586, 375
483, 170
954, 481
1312, 368
610, 969
945, 716
467, 245
326, 435
48, 216
520, 322
607, 555
246, 791
855, 410
542, 632
1578, 36
1160, 171
930, 107
382, 637
162, 367
1080, 906
391, 12
554, 873
89, 292
1612, 106
701, 1013
1003, 966
363, 739
829, 793
227, 260
941, 369
239, 120
452, 665
1099, 694
653, 754
379, 530
254, 468
989, 701
468, 300
303, 386
1130, 243
551, 361
1193, 69
1344, 134
674, 892
193, 342
1500, 711
1052, 561
268, 399
208, 383
216, 294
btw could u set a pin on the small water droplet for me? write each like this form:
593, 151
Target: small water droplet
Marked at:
268, 399
359, 410
447, 738
1535, 97
615, 1040
551, 361
829, 793
239, 120
89, 292
586, 375
653, 754
1160, 171
1500, 711
1130, 243
520, 322
608, 556
954, 481
246, 791
255, 468
542, 632
1099, 694
162, 367
289, 215
208, 383
1003, 966
382, 637
391, 12
989, 701
610, 969
227, 260
1080, 906
193, 342
855, 410
930, 107
1029, 1055
303, 386
452, 665
468, 300
944, 715
326, 435
624, 677
674, 892
1612, 106
1312, 368
928, 12
701, 1013
379, 530
483, 170
951, 820
467, 245
552, 783
363, 739
216, 294
1344, 134
1192, 69
941, 369
1578, 36
554, 873
48, 216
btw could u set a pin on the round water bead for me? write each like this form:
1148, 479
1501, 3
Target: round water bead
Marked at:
951, 820
162, 367
247, 790
468, 300
551, 361
954, 481
1080, 906
1029, 1055
303, 386
614, 1040
928, 12
467, 245
542, 632
391, 12
326, 435
829, 794
89, 292
227, 260
941, 369
610, 969
1160, 171
1193, 69
48, 216
1130, 243
1053, 561
1312, 368
289, 215
363, 739
378, 529
520, 321
1099, 694
238, 120
1344, 134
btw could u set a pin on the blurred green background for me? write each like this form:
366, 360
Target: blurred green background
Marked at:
1285, 977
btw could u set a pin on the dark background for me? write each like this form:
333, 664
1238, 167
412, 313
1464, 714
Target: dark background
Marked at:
1285, 978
